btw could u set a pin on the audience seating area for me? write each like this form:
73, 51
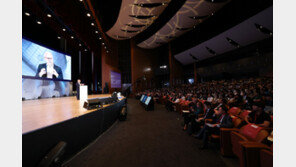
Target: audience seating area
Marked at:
249, 104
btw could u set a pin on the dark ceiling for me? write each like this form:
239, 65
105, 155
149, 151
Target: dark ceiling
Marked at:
107, 12
232, 14
72, 15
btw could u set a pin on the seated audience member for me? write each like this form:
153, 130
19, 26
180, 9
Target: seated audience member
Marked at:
178, 99
258, 116
210, 98
197, 122
194, 116
220, 120
188, 116
268, 104
169, 103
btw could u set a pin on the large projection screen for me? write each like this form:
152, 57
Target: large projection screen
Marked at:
43, 63
45, 73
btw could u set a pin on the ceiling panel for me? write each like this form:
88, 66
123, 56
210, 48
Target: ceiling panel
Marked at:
135, 16
243, 34
192, 13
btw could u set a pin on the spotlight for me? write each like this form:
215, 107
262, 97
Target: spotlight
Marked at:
96, 32
103, 43
72, 37
147, 69
100, 38
59, 37
48, 15
93, 24
64, 29
80, 0
39, 22
80, 44
88, 14
27, 14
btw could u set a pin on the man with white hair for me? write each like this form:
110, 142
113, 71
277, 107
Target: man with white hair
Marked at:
49, 69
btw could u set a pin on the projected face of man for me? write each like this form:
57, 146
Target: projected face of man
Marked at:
48, 59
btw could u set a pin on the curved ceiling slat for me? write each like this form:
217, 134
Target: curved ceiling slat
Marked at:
192, 13
135, 16
249, 31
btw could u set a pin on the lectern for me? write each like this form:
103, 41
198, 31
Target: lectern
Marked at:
83, 93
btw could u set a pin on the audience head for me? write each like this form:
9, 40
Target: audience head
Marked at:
258, 106
222, 110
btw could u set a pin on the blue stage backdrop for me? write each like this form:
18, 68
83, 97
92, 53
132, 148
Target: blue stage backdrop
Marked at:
36, 58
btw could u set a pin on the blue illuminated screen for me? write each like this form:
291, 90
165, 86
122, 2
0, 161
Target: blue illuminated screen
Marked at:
147, 100
144, 99
41, 62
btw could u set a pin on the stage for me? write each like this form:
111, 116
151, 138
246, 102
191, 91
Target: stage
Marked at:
41, 113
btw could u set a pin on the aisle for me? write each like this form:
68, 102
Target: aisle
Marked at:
147, 139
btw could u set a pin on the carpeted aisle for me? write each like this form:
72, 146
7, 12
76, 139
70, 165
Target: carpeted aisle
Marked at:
147, 139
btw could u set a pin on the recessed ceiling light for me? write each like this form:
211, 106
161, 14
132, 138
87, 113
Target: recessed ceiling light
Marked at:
100, 38
103, 43
88, 14
105, 47
107, 51
96, 32
72, 37
27, 14
39, 22
59, 37
64, 29
48, 15
80, 44
80, 0
92, 24
85, 49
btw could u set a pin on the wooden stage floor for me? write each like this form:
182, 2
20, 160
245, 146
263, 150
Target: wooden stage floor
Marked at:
40, 113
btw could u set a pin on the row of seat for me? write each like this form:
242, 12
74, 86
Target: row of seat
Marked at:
249, 142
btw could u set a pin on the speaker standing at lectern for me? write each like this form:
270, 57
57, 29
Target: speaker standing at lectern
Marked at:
78, 84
